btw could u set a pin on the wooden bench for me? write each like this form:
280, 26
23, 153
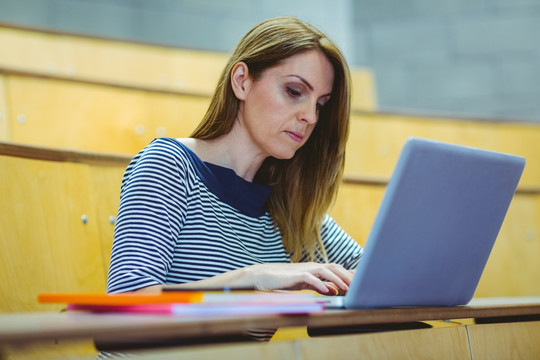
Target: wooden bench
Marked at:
109, 95
58, 209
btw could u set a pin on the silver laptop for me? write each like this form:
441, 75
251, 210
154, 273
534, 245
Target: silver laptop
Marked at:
436, 226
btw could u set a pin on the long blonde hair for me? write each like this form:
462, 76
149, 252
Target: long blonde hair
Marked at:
305, 186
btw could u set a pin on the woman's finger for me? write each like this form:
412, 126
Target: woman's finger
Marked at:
336, 274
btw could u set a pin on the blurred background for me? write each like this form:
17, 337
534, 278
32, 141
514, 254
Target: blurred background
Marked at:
86, 84
474, 58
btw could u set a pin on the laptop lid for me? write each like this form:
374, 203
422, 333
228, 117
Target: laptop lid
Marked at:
435, 228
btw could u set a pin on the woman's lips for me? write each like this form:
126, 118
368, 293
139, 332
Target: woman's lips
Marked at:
295, 136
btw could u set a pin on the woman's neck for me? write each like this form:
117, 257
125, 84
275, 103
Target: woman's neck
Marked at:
231, 151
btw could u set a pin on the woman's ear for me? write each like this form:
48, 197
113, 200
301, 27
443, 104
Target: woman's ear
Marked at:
240, 80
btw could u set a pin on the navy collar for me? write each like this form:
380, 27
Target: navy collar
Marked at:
247, 197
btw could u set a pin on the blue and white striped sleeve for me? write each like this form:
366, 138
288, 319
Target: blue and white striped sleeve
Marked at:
339, 246
151, 213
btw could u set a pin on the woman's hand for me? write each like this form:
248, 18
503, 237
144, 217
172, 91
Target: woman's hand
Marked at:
327, 279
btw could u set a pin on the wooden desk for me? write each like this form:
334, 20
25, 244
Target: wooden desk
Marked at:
478, 309
25, 329
35, 327
31, 327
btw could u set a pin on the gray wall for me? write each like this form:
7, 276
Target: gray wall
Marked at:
466, 57
474, 57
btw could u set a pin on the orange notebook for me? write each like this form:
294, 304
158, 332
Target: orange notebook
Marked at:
121, 299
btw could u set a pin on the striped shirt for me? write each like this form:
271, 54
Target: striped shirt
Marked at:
181, 219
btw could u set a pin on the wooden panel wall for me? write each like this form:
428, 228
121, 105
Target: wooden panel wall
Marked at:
108, 61
96, 117
42, 232
505, 341
444, 343
106, 180
56, 227
376, 139
4, 117
109, 89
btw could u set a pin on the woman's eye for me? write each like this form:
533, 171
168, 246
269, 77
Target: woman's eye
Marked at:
293, 92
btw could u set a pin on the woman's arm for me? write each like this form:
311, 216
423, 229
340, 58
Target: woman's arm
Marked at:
339, 246
327, 279
150, 215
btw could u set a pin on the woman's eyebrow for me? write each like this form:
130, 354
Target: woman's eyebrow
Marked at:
303, 80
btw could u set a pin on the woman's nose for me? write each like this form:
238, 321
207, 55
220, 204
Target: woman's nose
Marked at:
309, 114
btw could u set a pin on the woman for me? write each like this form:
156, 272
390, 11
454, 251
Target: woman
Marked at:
242, 202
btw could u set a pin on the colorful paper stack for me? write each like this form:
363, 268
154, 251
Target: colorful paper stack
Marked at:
190, 303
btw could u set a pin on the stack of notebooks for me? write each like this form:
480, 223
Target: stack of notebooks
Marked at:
190, 303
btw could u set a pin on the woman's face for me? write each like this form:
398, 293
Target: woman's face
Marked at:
280, 109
